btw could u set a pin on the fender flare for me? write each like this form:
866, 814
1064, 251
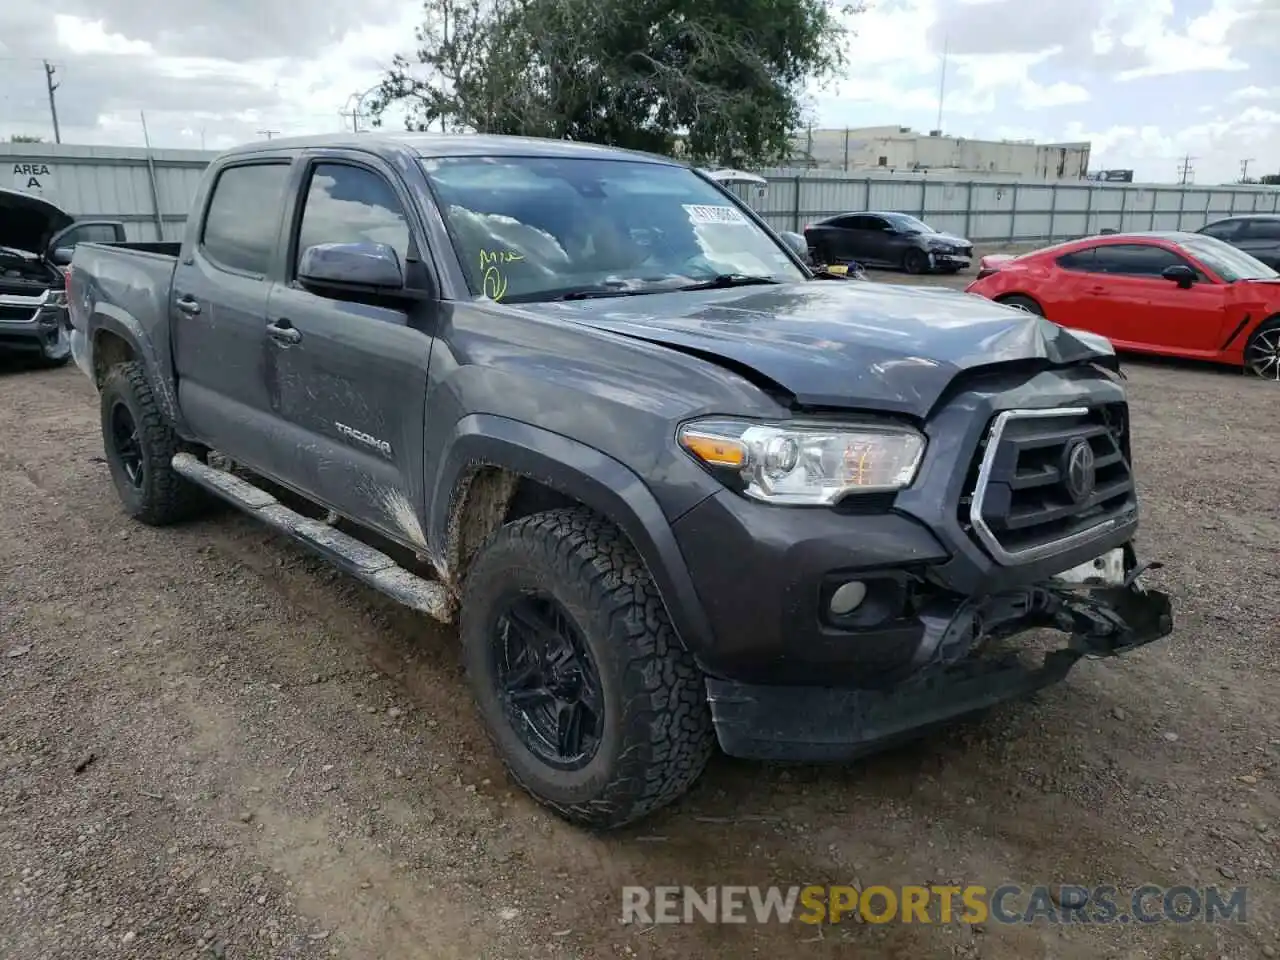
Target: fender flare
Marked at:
105, 318
587, 475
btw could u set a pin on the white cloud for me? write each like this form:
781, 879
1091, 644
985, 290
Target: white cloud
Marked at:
1254, 93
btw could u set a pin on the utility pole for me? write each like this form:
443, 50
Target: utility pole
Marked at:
1244, 170
942, 85
49, 71
267, 133
1186, 172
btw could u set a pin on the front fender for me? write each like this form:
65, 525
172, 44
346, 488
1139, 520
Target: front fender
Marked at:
593, 478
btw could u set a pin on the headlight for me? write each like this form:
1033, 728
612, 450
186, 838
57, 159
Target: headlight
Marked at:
806, 463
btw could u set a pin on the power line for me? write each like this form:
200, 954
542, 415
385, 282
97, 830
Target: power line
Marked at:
1186, 172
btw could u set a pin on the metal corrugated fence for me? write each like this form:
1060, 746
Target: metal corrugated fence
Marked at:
152, 191
992, 211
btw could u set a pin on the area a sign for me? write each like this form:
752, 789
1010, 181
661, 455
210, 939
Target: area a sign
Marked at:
32, 177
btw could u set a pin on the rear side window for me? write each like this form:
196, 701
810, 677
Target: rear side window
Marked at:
244, 216
1223, 230
1080, 260
1135, 260
1261, 230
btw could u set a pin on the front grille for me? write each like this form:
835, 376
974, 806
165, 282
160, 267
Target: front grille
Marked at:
1022, 501
10, 313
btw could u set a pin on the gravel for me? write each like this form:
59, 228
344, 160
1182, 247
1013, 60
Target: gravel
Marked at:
213, 745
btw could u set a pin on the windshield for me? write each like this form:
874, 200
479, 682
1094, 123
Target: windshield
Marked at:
904, 222
1228, 262
532, 228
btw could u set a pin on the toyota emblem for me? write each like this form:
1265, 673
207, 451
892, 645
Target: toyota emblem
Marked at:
1079, 475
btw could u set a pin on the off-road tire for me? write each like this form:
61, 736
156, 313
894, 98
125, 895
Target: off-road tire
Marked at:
657, 733
164, 496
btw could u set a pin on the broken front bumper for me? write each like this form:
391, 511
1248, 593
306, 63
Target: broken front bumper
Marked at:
964, 668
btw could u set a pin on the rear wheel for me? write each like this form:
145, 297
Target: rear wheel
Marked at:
592, 703
1025, 304
1262, 355
915, 261
139, 445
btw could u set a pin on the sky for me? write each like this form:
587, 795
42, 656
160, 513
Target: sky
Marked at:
1148, 82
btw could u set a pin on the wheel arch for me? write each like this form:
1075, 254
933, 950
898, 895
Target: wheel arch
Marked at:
497, 469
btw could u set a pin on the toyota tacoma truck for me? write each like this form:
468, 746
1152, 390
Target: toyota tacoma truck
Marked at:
675, 488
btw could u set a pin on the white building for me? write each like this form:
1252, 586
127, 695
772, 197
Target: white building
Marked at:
889, 149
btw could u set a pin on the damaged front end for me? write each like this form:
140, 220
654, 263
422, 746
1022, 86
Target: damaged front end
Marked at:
965, 665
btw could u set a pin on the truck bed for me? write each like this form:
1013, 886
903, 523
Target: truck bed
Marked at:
131, 285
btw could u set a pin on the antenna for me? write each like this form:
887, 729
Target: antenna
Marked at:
942, 86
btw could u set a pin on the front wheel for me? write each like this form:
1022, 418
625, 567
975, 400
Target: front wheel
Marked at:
915, 261
592, 703
1262, 355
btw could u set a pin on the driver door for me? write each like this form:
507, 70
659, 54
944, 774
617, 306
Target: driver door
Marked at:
346, 374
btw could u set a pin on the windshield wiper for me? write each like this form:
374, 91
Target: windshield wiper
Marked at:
724, 280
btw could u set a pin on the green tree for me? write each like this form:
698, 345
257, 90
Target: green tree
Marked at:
1273, 179
25, 138
722, 80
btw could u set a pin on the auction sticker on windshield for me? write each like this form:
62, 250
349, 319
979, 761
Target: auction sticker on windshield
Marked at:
711, 213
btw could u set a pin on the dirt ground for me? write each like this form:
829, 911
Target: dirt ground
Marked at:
212, 745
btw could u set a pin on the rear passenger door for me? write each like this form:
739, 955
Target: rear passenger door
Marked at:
219, 310
349, 394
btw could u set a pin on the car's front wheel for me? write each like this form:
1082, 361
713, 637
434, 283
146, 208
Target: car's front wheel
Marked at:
915, 261
591, 701
1262, 355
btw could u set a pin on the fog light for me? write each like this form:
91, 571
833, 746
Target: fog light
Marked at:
847, 597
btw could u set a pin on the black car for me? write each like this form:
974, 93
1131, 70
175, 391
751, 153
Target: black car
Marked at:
36, 239
877, 239
1256, 234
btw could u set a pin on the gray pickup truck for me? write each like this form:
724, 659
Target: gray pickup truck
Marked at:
675, 487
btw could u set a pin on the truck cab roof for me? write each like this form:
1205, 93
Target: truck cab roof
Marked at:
449, 145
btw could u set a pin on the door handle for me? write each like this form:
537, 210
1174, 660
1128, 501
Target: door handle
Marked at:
283, 331
189, 305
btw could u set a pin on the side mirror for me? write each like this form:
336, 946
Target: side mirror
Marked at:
352, 266
61, 256
798, 244
1179, 273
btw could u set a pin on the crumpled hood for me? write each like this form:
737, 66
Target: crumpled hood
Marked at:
950, 238
28, 222
832, 344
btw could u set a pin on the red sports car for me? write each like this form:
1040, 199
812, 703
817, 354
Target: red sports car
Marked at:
1176, 294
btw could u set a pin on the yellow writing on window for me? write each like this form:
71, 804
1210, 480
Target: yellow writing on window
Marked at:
492, 281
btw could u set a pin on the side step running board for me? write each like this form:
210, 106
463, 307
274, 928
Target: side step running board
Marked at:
346, 552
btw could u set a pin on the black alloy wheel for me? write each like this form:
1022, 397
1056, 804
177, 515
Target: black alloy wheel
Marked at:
547, 681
